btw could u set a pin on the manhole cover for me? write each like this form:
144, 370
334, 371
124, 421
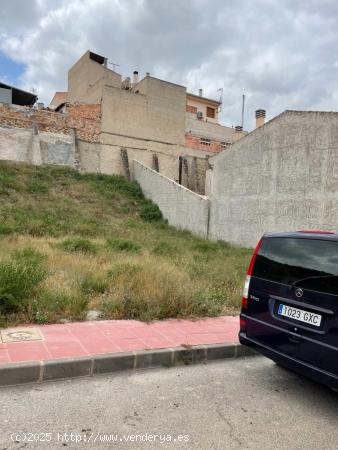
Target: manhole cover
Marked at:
22, 334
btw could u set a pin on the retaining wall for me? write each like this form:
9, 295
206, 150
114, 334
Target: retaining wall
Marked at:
28, 145
182, 208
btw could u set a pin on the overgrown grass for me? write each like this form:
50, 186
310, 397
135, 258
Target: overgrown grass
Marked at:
123, 245
20, 277
72, 242
77, 245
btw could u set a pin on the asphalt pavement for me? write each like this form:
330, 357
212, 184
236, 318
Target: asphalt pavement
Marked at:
245, 403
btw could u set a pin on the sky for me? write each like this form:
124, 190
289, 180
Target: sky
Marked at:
280, 54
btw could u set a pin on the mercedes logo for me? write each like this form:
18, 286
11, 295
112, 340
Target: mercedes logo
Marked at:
299, 292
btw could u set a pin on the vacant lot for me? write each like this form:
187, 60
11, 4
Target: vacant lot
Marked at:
70, 243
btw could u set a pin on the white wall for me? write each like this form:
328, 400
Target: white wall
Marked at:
182, 208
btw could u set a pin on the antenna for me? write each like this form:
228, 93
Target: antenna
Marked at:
243, 106
114, 65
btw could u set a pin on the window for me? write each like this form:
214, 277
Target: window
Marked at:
310, 262
205, 141
224, 145
210, 112
191, 109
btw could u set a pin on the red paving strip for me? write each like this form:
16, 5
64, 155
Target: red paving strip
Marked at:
114, 336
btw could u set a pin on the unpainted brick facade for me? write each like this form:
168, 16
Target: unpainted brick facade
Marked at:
196, 142
85, 119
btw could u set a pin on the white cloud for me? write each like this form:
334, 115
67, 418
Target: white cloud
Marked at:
281, 54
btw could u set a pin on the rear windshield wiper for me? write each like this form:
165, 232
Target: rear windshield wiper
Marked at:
315, 277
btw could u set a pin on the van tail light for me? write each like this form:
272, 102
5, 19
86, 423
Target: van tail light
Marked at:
245, 292
248, 277
242, 324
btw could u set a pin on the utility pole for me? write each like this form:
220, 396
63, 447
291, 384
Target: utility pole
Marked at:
243, 106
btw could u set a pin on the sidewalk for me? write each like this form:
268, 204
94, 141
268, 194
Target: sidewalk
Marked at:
112, 336
104, 346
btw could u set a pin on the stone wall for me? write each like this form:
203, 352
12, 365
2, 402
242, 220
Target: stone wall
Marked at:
282, 176
182, 208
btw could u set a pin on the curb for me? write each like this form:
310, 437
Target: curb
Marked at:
38, 371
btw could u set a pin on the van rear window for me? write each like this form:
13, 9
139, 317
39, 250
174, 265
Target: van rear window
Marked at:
309, 263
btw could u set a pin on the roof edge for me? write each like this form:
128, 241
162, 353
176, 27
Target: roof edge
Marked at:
211, 100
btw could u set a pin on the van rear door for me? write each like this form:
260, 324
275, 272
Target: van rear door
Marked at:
293, 299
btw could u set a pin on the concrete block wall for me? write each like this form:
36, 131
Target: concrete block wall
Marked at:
182, 208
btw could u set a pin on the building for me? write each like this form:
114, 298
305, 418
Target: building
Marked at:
59, 99
203, 130
12, 95
103, 122
152, 120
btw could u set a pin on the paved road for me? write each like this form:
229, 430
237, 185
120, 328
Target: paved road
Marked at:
238, 404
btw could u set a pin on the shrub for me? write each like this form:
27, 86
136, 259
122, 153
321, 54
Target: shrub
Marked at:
51, 306
94, 284
148, 292
150, 212
78, 245
123, 245
28, 255
20, 276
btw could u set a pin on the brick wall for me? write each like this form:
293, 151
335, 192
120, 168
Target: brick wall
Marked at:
86, 119
195, 142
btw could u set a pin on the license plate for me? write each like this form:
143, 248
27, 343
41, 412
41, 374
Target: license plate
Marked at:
300, 314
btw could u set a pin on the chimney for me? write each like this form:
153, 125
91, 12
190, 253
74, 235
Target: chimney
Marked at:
200, 92
125, 84
238, 132
147, 74
135, 77
260, 117
105, 62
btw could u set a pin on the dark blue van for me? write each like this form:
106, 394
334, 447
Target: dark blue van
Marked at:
290, 303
